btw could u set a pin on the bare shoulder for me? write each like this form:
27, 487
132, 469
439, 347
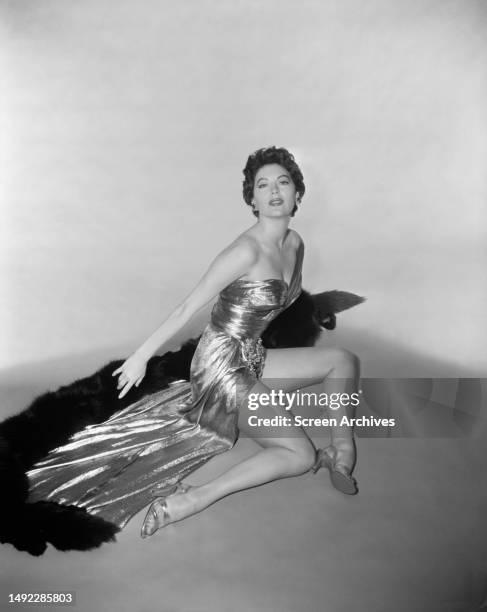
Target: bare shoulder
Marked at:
244, 248
297, 240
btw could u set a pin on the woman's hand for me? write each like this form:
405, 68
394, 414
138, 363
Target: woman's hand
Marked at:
132, 371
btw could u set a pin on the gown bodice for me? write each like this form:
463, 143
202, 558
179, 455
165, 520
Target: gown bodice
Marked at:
246, 307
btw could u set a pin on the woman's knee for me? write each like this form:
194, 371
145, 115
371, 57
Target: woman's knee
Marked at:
345, 362
302, 457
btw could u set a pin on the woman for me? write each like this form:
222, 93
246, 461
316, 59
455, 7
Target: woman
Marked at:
144, 452
266, 257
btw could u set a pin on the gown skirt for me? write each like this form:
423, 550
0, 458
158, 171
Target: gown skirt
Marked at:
116, 468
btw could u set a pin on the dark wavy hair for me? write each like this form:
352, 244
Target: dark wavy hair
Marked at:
271, 155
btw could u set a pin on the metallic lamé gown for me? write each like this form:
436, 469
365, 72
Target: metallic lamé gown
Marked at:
116, 468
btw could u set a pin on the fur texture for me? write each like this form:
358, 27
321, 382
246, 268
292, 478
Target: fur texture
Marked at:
53, 417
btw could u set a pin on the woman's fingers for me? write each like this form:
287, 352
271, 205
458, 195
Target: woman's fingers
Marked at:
128, 385
122, 379
126, 381
125, 390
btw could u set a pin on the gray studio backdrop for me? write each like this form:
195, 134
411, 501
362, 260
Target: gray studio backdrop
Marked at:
125, 127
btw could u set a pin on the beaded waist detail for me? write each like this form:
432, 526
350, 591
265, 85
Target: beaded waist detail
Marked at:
253, 354
252, 350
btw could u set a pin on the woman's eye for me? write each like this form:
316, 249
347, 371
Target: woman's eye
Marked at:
262, 185
285, 182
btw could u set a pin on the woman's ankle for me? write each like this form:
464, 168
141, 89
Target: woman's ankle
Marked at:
201, 496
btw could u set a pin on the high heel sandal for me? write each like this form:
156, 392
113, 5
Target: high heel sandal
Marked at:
327, 457
166, 518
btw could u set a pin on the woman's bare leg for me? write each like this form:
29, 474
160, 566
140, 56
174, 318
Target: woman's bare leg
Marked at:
339, 370
281, 456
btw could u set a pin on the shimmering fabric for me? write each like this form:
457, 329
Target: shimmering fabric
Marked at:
116, 468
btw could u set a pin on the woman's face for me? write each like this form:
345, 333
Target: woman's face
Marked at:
274, 191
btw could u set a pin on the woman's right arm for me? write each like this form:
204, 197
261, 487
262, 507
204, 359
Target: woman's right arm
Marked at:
231, 263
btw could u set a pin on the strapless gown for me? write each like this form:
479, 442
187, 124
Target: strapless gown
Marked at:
116, 468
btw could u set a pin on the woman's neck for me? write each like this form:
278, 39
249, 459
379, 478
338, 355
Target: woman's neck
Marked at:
273, 231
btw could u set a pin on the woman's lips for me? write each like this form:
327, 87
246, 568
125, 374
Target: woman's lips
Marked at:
276, 202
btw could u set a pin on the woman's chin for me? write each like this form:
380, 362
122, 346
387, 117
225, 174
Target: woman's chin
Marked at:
277, 212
